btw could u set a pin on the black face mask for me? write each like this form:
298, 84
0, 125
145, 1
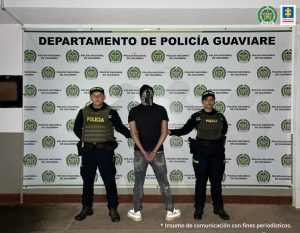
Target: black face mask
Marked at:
147, 97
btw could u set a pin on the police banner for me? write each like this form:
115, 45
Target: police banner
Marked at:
250, 72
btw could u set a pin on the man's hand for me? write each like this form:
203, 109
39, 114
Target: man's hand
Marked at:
146, 155
152, 155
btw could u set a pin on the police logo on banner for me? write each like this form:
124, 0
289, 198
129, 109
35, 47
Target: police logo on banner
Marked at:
243, 90
91, 73
115, 56
131, 105
159, 90
263, 107
243, 56
158, 56
29, 56
48, 107
115, 91
30, 91
263, 177
130, 143
30, 160
198, 90
286, 126
72, 56
200, 56
263, 142
286, 90
176, 176
118, 160
30, 125
243, 125
219, 73
176, 142
263, 73
243, 160
70, 125
72, 160
48, 73
48, 176
287, 160
134, 73
220, 106
48, 142
130, 176
267, 15
72, 91
286, 55
176, 107
176, 73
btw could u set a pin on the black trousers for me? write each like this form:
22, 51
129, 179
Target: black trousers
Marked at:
102, 159
209, 163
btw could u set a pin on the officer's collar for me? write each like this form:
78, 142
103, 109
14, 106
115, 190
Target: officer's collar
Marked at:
212, 112
104, 106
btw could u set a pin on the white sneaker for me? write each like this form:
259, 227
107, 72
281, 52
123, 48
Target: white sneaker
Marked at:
135, 216
173, 215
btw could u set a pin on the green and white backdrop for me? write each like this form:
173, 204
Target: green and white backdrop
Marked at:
250, 72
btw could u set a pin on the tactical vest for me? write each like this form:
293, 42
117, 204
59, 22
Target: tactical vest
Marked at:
96, 126
210, 126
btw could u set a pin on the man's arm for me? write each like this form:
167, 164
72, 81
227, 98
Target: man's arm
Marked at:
135, 136
163, 135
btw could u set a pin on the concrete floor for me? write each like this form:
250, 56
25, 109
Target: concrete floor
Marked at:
59, 218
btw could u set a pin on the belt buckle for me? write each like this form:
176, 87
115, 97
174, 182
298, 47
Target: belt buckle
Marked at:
94, 145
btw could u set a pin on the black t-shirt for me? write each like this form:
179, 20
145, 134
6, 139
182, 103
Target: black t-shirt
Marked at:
148, 121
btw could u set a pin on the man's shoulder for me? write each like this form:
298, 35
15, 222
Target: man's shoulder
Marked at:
135, 108
160, 107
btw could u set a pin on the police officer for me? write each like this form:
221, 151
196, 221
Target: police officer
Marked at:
94, 126
208, 153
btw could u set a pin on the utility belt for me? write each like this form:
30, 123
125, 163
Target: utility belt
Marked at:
204, 142
194, 143
97, 145
112, 145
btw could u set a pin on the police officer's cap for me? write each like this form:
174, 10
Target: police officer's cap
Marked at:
94, 89
208, 93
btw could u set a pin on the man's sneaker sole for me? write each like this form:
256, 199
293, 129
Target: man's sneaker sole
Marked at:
134, 218
172, 218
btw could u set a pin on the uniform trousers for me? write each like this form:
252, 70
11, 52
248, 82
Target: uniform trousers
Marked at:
209, 164
103, 159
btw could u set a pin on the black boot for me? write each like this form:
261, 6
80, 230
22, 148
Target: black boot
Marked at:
198, 214
222, 213
114, 215
86, 211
